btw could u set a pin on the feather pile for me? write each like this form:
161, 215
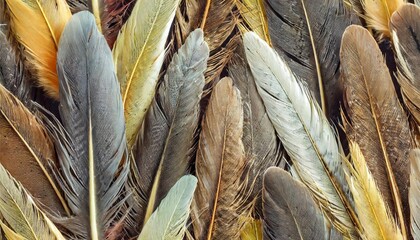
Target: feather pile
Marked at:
209, 119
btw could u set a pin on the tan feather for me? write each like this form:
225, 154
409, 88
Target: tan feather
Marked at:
27, 151
376, 220
219, 166
37, 25
414, 193
376, 121
254, 14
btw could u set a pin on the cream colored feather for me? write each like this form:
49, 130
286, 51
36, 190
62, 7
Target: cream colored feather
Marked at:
138, 56
375, 219
37, 25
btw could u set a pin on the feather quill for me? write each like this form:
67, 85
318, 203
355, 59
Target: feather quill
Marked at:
414, 193
170, 218
138, 56
92, 146
375, 218
254, 14
303, 130
27, 152
20, 211
377, 122
289, 210
307, 34
219, 166
405, 30
167, 138
38, 25
262, 147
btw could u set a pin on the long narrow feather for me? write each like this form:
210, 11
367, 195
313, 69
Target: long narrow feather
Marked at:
254, 14
378, 15
375, 218
307, 34
27, 151
414, 193
219, 166
303, 130
9, 233
170, 218
21, 213
262, 147
167, 137
377, 122
405, 30
37, 25
93, 152
138, 56
289, 210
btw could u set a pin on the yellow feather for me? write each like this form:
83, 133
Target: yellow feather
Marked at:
253, 12
252, 228
375, 218
37, 25
138, 56
378, 14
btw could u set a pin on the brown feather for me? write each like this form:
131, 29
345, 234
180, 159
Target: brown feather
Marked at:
27, 151
377, 122
219, 166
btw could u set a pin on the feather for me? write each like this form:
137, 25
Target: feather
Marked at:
376, 220
167, 137
219, 166
77, 5
92, 146
254, 14
307, 35
262, 147
414, 193
289, 210
378, 15
170, 218
417, 2
303, 130
377, 122
138, 56
27, 151
20, 211
405, 30
10, 234
252, 229
37, 25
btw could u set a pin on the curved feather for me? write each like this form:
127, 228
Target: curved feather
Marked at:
377, 122
38, 25
414, 193
167, 138
405, 30
21, 213
92, 154
138, 56
220, 163
170, 218
303, 130
27, 152
376, 220
289, 210
254, 14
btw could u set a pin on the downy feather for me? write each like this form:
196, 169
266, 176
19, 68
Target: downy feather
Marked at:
27, 152
405, 30
307, 34
414, 193
303, 130
254, 14
217, 203
167, 139
170, 218
92, 146
262, 147
376, 221
376, 120
19, 210
138, 55
38, 25
289, 209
